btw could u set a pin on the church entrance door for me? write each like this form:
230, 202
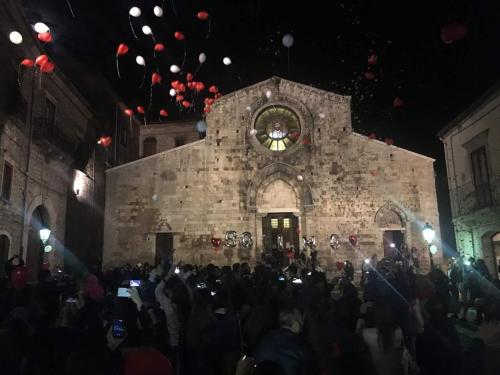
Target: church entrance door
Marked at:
279, 231
394, 241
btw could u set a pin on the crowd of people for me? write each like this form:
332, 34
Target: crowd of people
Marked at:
185, 319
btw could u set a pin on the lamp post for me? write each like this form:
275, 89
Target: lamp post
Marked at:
44, 237
429, 235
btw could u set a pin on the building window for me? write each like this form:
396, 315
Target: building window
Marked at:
180, 142
277, 128
481, 177
6, 181
274, 223
49, 117
286, 223
149, 146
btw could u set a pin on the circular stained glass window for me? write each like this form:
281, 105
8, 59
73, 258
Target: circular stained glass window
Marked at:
278, 128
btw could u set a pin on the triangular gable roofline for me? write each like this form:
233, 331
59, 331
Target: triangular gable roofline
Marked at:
276, 81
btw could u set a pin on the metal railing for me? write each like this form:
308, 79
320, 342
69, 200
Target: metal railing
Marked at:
53, 135
469, 198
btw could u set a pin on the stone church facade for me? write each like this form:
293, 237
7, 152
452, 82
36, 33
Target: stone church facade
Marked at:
281, 162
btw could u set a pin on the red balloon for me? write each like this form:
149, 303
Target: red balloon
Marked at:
295, 134
372, 59
105, 141
213, 89
207, 109
140, 110
45, 37
209, 101
191, 85
216, 242
353, 240
369, 76
389, 141
40, 60
199, 86
202, 15
306, 141
181, 87
159, 47
128, 112
452, 32
189, 77
186, 104
398, 102
218, 96
339, 265
27, 63
122, 49
179, 98
155, 78
372, 136
20, 277
179, 36
163, 113
47, 67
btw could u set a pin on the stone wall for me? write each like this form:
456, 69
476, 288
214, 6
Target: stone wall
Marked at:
203, 189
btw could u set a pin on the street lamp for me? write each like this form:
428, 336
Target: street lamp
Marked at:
429, 235
44, 235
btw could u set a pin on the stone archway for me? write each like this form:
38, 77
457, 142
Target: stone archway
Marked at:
391, 221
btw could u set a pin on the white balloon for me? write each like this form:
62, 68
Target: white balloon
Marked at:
227, 61
140, 61
16, 37
249, 108
321, 115
135, 12
175, 69
40, 27
172, 92
253, 131
300, 178
202, 58
288, 40
158, 11
154, 197
269, 94
147, 30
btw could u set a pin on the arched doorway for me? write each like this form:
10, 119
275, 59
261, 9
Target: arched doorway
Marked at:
4, 252
393, 228
34, 254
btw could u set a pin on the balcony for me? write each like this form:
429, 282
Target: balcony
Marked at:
468, 198
52, 140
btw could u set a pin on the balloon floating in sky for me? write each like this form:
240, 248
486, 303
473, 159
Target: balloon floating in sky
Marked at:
202, 15
40, 27
147, 30
453, 32
389, 141
163, 113
202, 58
120, 51
269, 94
172, 92
27, 63
201, 126
128, 112
369, 76
321, 115
288, 40
45, 37
47, 67
158, 11
372, 59
42, 59
16, 37
104, 141
227, 61
398, 102
253, 132
135, 12
140, 110
155, 78
179, 35
140, 61
175, 69
159, 47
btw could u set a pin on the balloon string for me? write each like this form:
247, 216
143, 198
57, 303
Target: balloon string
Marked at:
70, 9
132, 27
185, 54
173, 7
150, 96
209, 27
118, 68
19, 75
197, 70
145, 122
143, 78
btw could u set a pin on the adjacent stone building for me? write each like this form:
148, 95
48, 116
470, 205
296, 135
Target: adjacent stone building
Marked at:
472, 148
281, 162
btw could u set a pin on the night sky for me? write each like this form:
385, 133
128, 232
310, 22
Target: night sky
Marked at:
333, 40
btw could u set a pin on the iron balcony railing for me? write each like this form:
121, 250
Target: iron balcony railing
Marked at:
469, 198
54, 136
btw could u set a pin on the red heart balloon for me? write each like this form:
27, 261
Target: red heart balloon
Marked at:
128, 112
27, 63
202, 15
189, 77
207, 109
209, 101
213, 89
372, 59
306, 141
339, 265
372, 136
398, 102
175, 84
179, 35
40, 60
181, 87
155, 78
163, 113
353, 240
218, 96
105, 141
45, 37
389, 141
122, 49
216, 242
159, 47
179, 98
47, 67
186, 104
199, 86
140, 110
